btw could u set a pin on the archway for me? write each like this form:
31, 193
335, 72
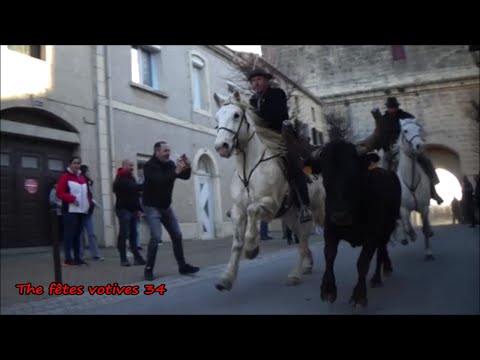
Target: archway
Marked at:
448, 168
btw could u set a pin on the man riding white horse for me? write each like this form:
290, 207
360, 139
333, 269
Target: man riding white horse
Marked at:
271, 106
387, 131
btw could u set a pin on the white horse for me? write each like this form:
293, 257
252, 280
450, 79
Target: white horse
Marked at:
259, 189
415, 184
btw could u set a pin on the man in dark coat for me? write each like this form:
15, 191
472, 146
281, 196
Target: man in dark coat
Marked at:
386, 132
271, 106
128, 210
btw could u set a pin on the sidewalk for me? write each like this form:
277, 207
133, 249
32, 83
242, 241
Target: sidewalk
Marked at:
35, 265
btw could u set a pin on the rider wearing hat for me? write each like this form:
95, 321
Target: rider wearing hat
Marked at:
386, 132
271, 106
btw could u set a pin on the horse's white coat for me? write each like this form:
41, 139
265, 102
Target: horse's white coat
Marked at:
258, 187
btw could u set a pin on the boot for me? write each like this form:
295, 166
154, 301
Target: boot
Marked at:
301, 188
434, 195
151, 256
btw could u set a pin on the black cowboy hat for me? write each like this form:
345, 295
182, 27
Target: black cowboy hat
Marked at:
392, 102
259, 72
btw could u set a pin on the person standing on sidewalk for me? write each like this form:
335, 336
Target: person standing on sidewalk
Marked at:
76, 198
129, 210
160, 174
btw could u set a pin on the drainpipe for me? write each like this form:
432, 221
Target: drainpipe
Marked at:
108, 72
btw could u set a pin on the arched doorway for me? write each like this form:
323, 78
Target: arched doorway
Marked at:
448, 168
205, 197
35, 149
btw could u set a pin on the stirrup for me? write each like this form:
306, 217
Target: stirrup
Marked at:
305, 215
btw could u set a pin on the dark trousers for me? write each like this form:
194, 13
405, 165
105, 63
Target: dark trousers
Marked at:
128, 230
427, 166
263, 229
294, 164
156, 217
73, 224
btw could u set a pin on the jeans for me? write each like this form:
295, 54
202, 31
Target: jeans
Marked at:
128, 230
156, 217
263, 229
92, 239
73, 223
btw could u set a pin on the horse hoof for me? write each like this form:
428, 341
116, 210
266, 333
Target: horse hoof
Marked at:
404, 242
429, 257
328, 296
294, 280
307, 271
376, 283
387, 272
224, 284
252, 254
358, 301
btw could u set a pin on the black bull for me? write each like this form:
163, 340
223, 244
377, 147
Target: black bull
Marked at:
361, 207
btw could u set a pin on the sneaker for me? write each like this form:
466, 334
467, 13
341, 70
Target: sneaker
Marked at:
69, 262
139, 261
124, 263
79, 262
188, 269
148, 274
98, 258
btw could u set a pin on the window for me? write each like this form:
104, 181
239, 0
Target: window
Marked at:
314, 136
320, 138
199, 83
144, 70
55, 165
29, 162
5, 160
398, 52
35, 51
313, 114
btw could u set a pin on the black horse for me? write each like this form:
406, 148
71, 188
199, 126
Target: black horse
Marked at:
362, 207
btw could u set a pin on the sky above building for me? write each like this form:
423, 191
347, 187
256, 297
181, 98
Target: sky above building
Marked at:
256, 49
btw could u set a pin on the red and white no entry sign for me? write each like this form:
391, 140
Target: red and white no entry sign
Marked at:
31, 185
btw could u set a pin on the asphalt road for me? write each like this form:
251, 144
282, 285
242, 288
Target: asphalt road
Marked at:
447, 285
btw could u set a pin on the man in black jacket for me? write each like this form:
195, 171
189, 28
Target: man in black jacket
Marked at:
128, 211
271, 105
160, 174
387, 131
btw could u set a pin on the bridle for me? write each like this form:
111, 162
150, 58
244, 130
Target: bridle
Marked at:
236, 133
246, 179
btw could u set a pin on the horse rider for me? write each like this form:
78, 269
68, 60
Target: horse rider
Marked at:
270, 104
387, 131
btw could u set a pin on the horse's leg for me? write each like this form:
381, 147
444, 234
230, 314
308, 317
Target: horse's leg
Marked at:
230, 274
255, 212
376, 280
405, 214
427, 233
328, 289
302, 232
359, 295
387, 263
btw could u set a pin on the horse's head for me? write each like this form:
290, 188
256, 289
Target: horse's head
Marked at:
341, 168
232, 126
411, 140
